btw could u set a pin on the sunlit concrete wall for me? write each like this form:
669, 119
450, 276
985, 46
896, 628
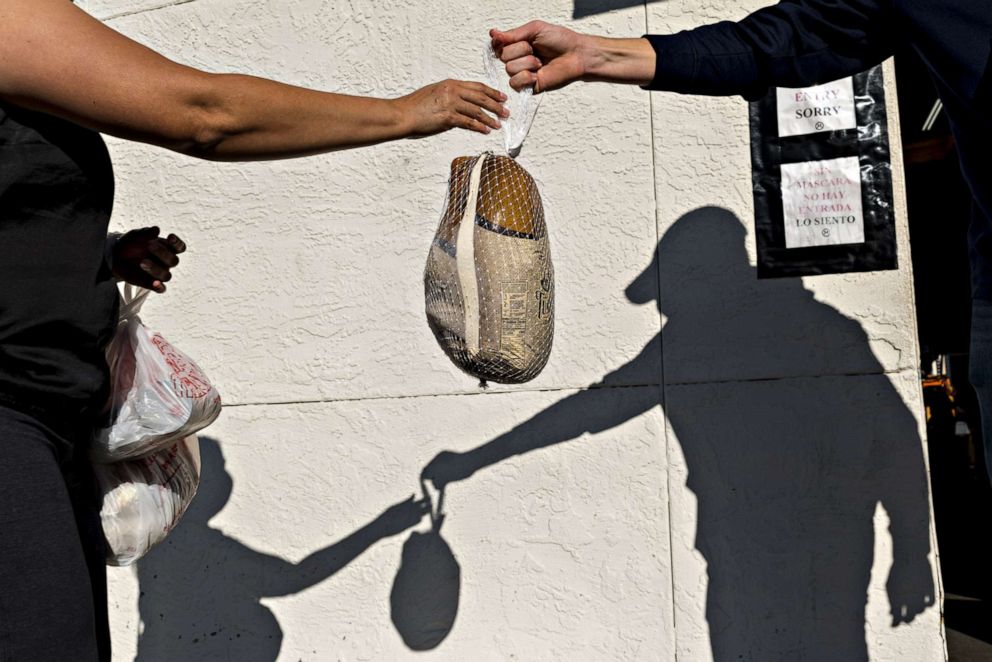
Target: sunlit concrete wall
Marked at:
746, 481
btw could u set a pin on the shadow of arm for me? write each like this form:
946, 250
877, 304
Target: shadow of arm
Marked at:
292, 578
904, 496
590, 411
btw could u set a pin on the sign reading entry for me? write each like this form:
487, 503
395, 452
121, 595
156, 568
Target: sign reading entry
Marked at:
828, 107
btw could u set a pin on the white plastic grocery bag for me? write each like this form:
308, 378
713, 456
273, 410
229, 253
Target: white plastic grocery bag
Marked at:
144, 499
159, 395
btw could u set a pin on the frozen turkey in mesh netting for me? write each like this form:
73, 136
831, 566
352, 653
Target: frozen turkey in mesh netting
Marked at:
489, 282
158, 394
144, 499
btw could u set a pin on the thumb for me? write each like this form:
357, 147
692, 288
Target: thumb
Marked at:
527, 32
554, 76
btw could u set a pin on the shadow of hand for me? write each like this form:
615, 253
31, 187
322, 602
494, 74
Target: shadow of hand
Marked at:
402, 516
446, 467
910, 588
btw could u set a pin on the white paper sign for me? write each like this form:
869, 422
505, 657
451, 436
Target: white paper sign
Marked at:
828, 107
821, 201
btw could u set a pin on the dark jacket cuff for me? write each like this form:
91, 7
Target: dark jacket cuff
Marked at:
675, 62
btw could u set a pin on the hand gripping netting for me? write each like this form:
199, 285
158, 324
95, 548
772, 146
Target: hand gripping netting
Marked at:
489, 281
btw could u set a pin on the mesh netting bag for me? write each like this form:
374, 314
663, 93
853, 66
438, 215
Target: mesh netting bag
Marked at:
489, 281
144, 499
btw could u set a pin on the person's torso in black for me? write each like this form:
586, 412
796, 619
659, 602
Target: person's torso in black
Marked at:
954, 37
795, 43
58, 300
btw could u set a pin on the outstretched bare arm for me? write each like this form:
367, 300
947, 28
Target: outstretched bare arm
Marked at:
57, 59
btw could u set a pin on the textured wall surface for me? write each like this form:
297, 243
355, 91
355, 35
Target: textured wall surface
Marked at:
746, 481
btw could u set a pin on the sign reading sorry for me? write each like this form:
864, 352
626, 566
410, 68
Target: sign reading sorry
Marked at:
828, 107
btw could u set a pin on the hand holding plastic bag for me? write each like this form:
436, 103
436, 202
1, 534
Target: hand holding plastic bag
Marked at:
160, 396
522, 104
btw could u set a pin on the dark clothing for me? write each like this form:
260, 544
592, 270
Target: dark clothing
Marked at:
53, 594
58, 310
798, 43
980, 369
57, 296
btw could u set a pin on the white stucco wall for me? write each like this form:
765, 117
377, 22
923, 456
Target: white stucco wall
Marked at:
726, 495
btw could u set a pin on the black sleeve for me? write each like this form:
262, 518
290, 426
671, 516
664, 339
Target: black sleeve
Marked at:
795, 43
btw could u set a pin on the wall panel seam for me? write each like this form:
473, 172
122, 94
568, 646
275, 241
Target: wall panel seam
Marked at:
135, 12
661, 357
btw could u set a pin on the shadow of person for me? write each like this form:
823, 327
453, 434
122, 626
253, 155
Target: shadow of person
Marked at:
786, 472
200, 589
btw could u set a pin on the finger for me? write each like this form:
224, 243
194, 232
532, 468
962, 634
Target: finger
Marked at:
467, 122
475, 112
482, 88
523, 80
150, 232
516, 50
155, 270
487, 103
526, 32
177, 244
550, 77
158, 287
163, 253
528, 63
